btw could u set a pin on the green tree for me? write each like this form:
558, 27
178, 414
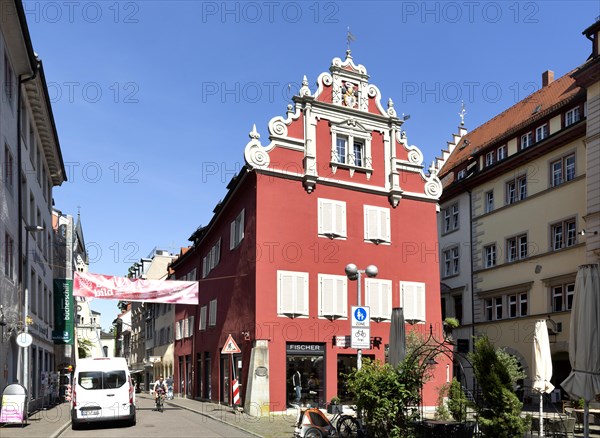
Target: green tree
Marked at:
387, 397
499, 416
84, 347
457, 401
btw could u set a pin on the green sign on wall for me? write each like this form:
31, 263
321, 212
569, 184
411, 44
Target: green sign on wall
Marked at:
63, 312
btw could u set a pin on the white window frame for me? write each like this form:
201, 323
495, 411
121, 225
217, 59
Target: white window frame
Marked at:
498, 308
212, 313
333, 296
378, 297
451, 218
332, 223
562, 170
489, 201
351, 137
237, 230
294, 310
526, 140
501, 153
379, 219
490, 255
516, 243
461, 174
202, 325
516, 190
451, 261
572, 116
563, 234
541, 132
190, 326
489, 158
413, 299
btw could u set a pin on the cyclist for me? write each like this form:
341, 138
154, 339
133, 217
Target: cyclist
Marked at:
159, 388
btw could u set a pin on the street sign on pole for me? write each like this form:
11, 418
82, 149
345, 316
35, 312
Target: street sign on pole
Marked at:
361, 337
230, 346
361, 316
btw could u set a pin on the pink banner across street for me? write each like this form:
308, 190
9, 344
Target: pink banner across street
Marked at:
125, 289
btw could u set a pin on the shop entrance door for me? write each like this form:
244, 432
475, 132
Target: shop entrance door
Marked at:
307, 363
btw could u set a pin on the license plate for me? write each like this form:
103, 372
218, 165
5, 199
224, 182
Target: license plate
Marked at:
90, 413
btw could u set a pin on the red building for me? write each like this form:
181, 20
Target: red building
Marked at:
337, 184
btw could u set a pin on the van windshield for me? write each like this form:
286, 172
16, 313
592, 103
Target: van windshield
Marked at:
102, 379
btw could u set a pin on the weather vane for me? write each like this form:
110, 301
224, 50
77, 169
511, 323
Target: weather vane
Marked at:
349, 38
462, 113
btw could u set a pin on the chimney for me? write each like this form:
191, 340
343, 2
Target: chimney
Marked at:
547, 77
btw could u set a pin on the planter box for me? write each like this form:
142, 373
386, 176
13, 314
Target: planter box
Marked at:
334, 409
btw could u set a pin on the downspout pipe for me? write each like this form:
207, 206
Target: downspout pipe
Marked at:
22, 80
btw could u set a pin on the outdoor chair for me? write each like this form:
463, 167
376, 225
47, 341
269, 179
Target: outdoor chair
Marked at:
561, 428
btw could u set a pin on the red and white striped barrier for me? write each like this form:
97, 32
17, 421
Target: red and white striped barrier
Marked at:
236, 392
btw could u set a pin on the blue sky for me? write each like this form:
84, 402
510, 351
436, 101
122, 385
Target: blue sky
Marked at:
154, 100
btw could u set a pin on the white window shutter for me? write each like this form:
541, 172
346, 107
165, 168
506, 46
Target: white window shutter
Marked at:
340, 218
218, 252
386, 299
368, 222
241, 232
341, 304
385, 225
301, 294
204, 267
413, 300
191, 326
232, 236
327, 296
326, 219
420, 292
203, 318
286, 293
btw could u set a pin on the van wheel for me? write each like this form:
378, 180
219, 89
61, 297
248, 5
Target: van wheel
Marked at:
75, 426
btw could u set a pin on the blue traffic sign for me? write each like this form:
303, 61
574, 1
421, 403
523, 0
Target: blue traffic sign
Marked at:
360, 314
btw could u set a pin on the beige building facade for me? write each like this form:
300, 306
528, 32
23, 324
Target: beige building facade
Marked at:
531, 179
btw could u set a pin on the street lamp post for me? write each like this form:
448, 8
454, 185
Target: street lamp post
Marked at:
353, 273
28, 229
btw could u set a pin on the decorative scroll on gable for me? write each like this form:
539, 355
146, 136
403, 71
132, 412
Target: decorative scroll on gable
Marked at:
365, 147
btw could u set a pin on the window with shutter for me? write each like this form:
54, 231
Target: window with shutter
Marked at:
190, 326
203, 318
377, 224
378, 296
212, 318
332, 218
178, 330
292, 293
413, 301
237, 230
333, 296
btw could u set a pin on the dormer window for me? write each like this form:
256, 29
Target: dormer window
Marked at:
541, 132
526, 140
572, 116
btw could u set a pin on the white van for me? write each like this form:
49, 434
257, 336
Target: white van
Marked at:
102, 391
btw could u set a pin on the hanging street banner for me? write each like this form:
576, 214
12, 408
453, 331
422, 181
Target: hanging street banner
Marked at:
126, 289
64, 326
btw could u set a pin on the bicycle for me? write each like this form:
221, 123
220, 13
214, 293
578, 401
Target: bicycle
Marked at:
349, 426
160, 399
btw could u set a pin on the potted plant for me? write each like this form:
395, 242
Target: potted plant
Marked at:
450, 324
334, 406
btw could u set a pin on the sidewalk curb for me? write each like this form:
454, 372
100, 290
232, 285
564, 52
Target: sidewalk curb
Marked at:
170, 402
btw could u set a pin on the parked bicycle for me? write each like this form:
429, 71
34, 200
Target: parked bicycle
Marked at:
349, 426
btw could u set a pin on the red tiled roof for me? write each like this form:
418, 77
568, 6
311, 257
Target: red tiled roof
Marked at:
507, 123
